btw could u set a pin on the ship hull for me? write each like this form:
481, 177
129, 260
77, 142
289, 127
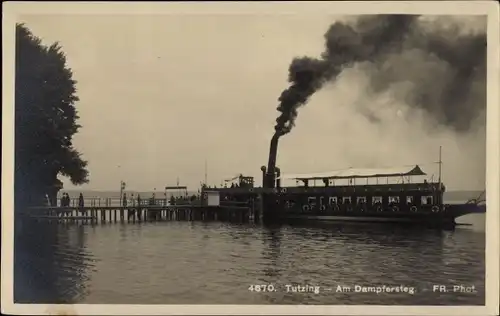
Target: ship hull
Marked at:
443, 219
416, 204
366, 219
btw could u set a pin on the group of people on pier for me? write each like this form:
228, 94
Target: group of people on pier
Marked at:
136, 201
66, 200
173, 200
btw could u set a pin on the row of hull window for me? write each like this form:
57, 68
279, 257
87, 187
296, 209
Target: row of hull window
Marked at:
376, 200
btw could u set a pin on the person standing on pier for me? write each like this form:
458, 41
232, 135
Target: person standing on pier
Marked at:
81, 203
123, 204
68, 201
64, 203
152, 201
132, 210
64, 200
151, 213
139, 208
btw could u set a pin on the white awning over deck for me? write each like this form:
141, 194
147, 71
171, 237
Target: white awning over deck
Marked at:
352, 173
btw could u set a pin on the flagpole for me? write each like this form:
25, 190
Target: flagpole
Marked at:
440, 165
206, 174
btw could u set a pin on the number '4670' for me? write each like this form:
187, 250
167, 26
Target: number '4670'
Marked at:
261, 288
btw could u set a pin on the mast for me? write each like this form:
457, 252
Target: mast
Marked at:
440, 166
440, 188
206, 172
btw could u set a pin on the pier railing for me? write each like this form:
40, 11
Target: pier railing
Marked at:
115, 201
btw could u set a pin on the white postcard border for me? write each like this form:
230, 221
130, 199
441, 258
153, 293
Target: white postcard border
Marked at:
490, 8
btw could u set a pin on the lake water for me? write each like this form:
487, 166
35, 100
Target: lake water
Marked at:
216, 263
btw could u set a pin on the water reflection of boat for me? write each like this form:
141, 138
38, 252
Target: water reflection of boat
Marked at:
376, 234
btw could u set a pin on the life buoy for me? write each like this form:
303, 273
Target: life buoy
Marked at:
435, 209
413, 208
322, 207
251, 190
283, 190
205, 195
395, 209
305, 208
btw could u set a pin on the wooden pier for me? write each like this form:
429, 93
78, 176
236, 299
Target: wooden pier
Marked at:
237, 212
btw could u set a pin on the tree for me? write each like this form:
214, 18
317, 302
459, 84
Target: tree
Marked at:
45, 121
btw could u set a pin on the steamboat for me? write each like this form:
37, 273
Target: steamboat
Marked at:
357, 198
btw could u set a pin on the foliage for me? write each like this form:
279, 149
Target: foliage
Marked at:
45, 119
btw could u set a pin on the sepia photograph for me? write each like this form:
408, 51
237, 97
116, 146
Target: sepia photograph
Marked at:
250, 158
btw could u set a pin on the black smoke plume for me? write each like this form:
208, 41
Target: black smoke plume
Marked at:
455, 98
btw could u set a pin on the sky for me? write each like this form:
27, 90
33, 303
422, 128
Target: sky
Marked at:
162, 94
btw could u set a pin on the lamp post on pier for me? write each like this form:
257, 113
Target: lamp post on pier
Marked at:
122, 188
165, 194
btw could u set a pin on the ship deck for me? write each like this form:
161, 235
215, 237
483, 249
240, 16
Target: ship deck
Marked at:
401, 187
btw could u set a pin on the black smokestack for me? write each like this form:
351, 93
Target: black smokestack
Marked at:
270, 177
278, 177
379, 41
